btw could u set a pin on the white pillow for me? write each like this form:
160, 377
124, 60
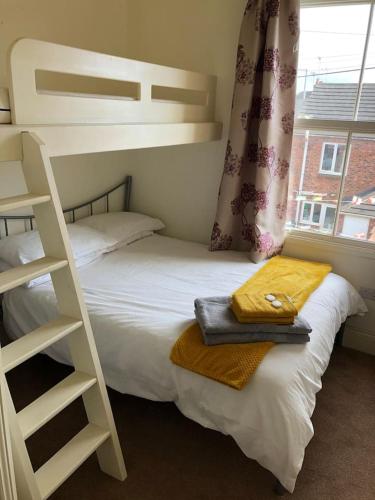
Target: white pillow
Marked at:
87, 245
124, 227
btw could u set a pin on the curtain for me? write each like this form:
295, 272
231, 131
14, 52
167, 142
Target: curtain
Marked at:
252, 202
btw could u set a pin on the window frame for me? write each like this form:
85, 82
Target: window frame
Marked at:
333, 162
350, 127
322, 215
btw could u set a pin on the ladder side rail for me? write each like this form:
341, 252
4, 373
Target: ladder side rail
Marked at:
27, 487
55, 240
7, 477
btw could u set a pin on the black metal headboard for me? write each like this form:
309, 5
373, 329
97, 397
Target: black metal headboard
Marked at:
71, 212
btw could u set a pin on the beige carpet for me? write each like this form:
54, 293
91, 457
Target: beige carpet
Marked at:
171, 458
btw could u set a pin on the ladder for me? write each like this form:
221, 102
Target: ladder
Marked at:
87, 379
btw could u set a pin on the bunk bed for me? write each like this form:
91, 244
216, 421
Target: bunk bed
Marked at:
140, 296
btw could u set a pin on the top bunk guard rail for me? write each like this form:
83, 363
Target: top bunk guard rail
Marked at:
155, 94
77, 102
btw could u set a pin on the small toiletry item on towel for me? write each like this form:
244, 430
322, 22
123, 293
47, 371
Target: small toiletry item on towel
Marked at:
220, 326
272, 307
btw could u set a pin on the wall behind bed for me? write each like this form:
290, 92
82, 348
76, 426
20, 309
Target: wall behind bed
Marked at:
180, 184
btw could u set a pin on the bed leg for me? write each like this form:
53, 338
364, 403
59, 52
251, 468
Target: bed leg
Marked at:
279, 489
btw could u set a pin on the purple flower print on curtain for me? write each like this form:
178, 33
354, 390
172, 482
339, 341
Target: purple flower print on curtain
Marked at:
253, 193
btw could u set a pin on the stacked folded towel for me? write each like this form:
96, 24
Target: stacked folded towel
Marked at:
219, 324
260, 308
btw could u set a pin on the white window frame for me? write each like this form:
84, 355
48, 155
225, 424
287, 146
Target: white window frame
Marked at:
322, 214
333, 163
349, 126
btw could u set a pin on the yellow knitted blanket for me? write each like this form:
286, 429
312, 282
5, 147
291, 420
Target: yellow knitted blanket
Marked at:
233, 364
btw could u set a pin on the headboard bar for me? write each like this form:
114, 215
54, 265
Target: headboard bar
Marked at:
126, 184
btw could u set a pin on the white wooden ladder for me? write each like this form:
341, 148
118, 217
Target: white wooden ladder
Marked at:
87, 380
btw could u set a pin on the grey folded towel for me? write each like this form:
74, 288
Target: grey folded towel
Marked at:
220, 326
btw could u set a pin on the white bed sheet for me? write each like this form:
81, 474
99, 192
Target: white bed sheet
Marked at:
140, 298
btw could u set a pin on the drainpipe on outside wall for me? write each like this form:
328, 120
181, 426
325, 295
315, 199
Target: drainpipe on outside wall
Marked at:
302, 178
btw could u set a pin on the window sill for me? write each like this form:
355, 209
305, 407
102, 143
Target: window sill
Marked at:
333, 243
330, 174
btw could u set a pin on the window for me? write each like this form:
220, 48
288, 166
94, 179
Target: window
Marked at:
332, 176
318, 214
332, 159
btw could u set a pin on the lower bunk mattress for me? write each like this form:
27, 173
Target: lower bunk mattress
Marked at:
141, 297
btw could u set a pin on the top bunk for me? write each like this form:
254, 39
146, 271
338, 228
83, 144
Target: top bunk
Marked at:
78, 101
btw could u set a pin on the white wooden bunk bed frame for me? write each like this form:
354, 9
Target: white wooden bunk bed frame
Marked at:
53, 123
72, 123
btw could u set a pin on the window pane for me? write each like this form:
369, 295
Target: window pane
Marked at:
306, 211
330, 56
357, 210
328, 152
329, 218
309, 185
339, 158
316, 213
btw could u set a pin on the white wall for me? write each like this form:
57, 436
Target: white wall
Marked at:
358, 266
180, 184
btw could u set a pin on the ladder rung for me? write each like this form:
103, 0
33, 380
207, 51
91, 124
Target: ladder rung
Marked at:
69, 458
24, 200
19, 275
47, 406
36, 341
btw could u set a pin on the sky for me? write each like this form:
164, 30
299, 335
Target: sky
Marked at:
332, 41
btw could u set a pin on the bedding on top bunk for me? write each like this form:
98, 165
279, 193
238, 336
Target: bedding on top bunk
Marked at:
141, 297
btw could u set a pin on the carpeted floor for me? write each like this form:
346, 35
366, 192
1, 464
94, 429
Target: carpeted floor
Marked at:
169, 457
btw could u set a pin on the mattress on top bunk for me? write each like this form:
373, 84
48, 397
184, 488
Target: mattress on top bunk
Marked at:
141, 297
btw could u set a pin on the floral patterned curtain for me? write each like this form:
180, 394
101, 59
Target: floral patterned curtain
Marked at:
253, 193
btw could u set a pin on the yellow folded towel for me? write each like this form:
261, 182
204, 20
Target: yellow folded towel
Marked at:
255, 308
233, 364
293, 277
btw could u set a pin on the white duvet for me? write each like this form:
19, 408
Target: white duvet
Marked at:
140, 298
